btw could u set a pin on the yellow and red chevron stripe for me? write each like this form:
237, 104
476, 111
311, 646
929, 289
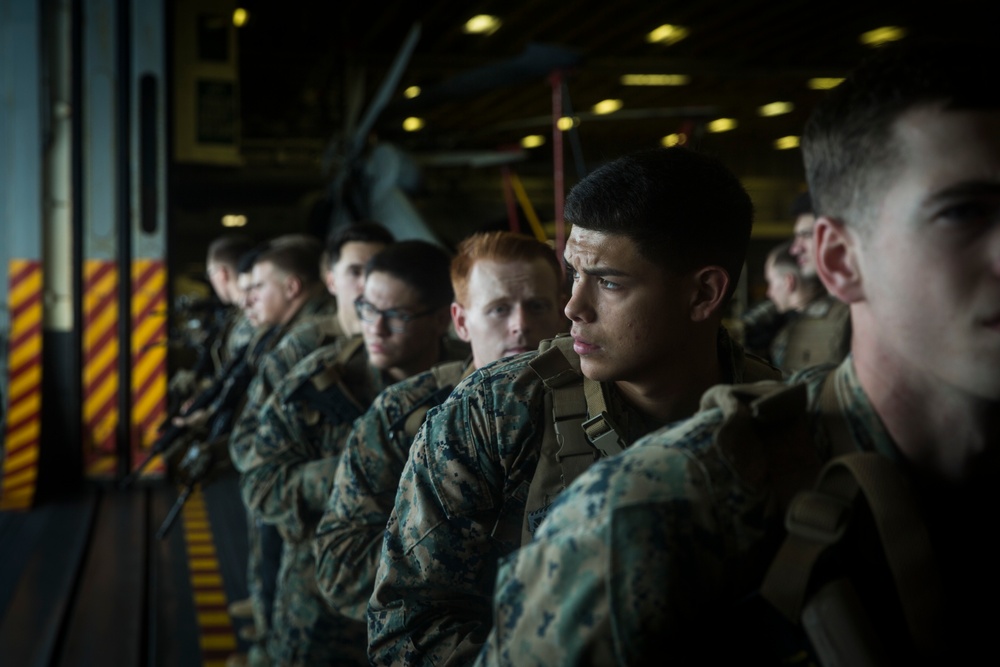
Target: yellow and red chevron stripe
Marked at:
217, 639
21, 442
101, 349
100, 366
149, 353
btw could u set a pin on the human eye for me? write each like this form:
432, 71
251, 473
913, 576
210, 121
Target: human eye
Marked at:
608, 284
572, 273
966, 212
500, 310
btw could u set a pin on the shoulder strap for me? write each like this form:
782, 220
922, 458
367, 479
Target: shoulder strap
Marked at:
572, 439
446, 376
819, 519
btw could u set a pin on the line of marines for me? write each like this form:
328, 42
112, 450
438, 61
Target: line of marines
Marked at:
508, 458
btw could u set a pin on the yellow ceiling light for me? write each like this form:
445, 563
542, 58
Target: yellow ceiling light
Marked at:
413, 124
482, 24
567, 123
667, 34
240, 17
784, 143
411, 92
883, 35
533, 141
675, 139
825, 82
722, 125
233, 220
655, 79
775, 108
607, 106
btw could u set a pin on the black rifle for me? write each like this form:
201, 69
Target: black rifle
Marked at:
218, 393
198, 462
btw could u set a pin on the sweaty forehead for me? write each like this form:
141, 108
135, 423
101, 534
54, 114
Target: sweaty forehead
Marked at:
586, 247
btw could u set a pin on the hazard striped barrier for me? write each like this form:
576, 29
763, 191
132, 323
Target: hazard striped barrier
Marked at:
24, 400
149, 355
100, 366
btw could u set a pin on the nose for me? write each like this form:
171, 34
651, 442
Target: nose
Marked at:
518, 321
579, 307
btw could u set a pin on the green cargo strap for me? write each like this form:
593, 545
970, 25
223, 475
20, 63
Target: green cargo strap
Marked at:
817, 520
572, 439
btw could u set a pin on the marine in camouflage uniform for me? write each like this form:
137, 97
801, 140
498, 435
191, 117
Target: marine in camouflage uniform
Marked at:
461, 507
819, 333
288, 473
641, 551
349, 535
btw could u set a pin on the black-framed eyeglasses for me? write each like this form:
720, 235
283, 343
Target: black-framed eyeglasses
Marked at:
396, 321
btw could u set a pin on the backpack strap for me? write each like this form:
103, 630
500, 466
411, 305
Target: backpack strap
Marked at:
572, 439
818, 520
446, 376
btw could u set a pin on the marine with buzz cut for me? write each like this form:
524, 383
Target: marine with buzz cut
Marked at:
508, 298
658, 241
287, 474
845, 516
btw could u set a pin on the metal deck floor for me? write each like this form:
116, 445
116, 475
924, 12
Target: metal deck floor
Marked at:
84, 581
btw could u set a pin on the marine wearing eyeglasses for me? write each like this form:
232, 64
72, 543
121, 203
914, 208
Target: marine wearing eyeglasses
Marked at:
288, 478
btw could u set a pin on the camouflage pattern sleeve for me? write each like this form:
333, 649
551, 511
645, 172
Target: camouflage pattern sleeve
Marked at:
349, 536
288, 473
629, 558
274, 367
459, 508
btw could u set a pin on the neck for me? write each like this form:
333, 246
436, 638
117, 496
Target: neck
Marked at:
944, 432
418, 365
675, 392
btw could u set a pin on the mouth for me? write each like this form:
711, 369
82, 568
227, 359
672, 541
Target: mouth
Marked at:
584, 347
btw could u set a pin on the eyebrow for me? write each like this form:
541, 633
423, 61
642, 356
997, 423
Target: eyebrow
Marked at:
598, 271
965, 189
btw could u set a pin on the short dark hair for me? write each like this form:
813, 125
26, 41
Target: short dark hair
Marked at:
422, 265
848, 144
359, 232
802, 205
249, 258
228, 249
683, 210
294, 254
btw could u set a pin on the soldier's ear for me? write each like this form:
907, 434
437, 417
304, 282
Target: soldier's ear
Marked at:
293, 286
709, 285
458, 319
836, 247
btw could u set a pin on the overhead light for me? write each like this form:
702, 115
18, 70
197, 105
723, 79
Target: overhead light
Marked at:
240, 17
675, 139
883, 35
722, 125
413, 124
567, 123
234, 220
532, 141
482, 24
607, 106
411, 92
655, 79
775, 108
825, 82
667, 34
784, 143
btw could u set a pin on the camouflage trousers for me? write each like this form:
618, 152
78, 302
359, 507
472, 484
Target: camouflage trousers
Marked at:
305, 631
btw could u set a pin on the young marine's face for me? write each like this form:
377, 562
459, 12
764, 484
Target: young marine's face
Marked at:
346, 280
779, 286
412, 350
628, 314
930, 254
268, 295
511, 307
804, 246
